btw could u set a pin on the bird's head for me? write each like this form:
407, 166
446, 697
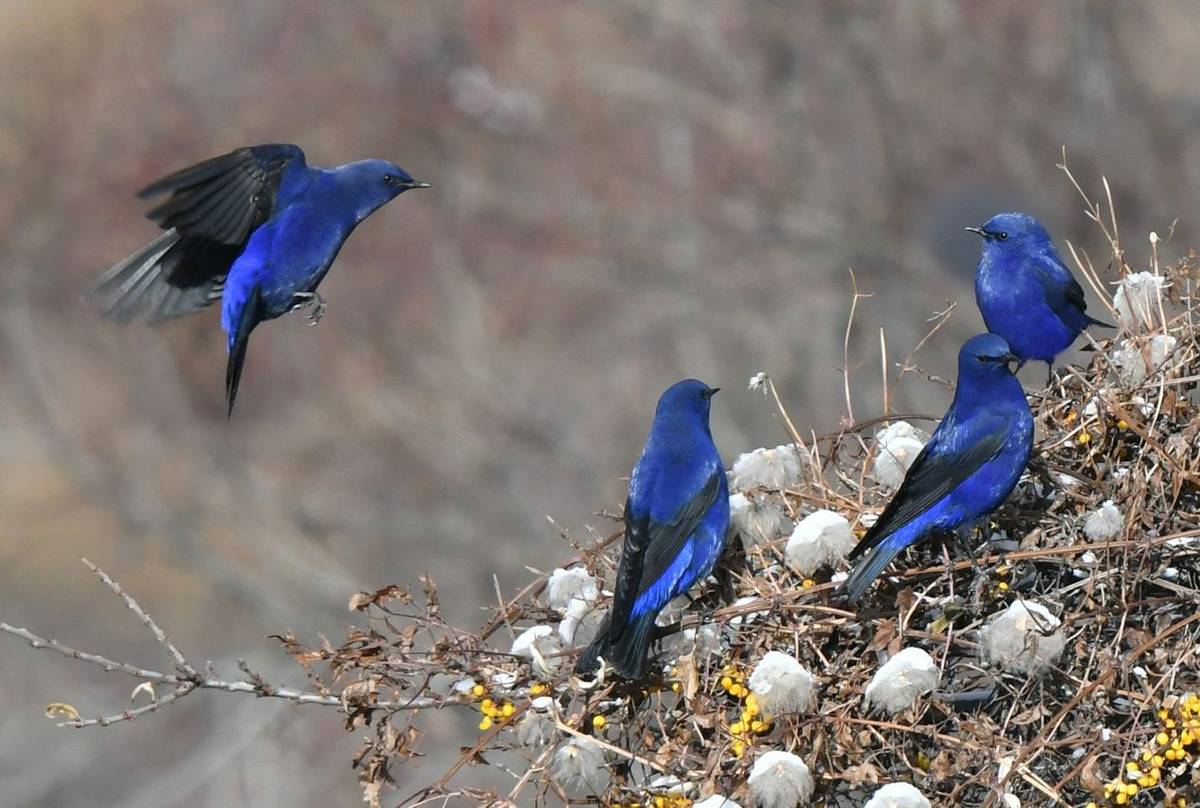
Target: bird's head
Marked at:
373, 183
688, 397
1012, 232
985, 355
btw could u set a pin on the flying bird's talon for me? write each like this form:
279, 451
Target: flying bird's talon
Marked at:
311, 301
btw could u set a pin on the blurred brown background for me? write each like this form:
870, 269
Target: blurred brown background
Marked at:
625, 193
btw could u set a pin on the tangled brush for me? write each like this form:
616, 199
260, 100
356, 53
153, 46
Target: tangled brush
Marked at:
1102, 535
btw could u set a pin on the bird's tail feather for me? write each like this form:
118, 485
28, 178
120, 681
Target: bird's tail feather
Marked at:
251, 315
626, 655
867, 570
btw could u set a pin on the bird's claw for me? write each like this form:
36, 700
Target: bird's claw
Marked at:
313, 302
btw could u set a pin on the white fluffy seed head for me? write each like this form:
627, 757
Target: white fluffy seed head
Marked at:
565, 586
821, 538
1137, 297
898, 446
1024, 638
579, 766
896, 686
538, 644
706, 640
1130, 360
1104, 523
898, 795
781, 467
781, 684
535, 729
780, 780
580, 624
758, 517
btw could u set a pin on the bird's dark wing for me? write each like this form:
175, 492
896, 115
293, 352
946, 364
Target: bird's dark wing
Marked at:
1061, 288
212, 209
937, 471
651, 547
1063, 292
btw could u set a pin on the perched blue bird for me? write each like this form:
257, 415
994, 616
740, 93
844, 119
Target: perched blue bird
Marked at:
258, 228
676, 517
1025, 292
969, 466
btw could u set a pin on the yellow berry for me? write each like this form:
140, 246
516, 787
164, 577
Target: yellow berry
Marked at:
737, 727
1121, 799
598, 721
738, 748
1084, 437
477, 691
1162, 738
1003, 587
487, 704
752, 702
485, 724
726, 682
675, 686
1122, 424
808, 583
507, 710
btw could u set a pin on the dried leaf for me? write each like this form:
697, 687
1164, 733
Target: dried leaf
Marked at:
61, 711
860, 774
361, 600
144, 687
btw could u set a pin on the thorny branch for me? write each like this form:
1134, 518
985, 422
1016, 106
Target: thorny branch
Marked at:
187, 679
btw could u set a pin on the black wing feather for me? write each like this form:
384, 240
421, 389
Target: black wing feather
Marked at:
932, 476
650, 547
212, 209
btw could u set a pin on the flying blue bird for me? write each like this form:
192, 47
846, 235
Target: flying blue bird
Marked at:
1025, 292
676, 517
257, 228
971, 463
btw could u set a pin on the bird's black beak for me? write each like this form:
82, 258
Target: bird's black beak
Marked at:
408, 186
979, 231
1012, 362
710, 392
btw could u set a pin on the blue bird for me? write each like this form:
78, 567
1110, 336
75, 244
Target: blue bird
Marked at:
676, 517
1025, 292
971, 463
257, 228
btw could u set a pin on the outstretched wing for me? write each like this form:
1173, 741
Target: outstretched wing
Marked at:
651, 547
212, 209
941, 467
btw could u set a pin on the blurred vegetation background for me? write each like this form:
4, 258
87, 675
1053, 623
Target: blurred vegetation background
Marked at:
625, 193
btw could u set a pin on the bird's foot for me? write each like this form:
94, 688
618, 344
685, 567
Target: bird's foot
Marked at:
311, 301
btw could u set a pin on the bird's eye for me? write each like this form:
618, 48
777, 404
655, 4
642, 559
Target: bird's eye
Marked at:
1002, 236
390, 179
